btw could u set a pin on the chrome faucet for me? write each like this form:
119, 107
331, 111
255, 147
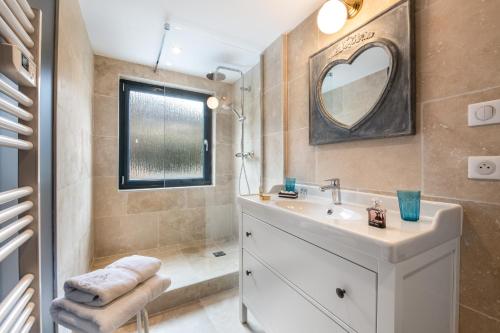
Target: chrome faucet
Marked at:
335, 187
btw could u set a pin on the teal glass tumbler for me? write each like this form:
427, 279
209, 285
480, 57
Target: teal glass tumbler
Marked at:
290, 184
409, 205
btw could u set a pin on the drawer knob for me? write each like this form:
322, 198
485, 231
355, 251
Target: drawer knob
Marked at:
248, 233
340, 292
248, 273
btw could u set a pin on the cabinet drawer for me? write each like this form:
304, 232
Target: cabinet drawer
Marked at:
277, 306
317, 272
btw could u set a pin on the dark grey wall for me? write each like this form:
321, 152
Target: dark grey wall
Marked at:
47, 70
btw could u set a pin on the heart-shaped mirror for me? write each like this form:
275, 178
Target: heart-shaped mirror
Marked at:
350, 89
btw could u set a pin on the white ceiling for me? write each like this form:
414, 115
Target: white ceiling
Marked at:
209, 32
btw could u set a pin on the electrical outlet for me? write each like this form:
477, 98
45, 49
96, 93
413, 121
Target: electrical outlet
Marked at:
484, 167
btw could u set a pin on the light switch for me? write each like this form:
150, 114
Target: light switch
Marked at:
485, 113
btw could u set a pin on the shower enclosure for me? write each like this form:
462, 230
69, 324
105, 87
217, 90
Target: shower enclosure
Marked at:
192, 229
246, 106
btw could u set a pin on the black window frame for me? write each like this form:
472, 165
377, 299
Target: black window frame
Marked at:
124, 182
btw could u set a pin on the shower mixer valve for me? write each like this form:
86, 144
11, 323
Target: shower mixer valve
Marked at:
248, 155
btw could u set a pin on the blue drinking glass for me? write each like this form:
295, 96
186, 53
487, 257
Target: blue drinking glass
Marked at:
290, 184
409, 205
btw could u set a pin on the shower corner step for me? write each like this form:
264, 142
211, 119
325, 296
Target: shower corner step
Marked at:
193, 292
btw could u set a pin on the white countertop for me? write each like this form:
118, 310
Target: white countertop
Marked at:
400, 240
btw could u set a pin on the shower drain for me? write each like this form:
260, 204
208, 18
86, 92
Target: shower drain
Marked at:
219, 254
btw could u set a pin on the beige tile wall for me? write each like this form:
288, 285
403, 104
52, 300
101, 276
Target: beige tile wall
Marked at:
274, 125
125, 222
73, 144
458, 63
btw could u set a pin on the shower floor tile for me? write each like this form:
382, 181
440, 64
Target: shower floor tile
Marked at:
189, 264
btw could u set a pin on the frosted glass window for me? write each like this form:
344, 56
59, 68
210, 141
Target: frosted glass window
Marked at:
164, 138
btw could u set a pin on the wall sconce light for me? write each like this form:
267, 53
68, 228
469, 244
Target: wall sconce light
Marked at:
334, 13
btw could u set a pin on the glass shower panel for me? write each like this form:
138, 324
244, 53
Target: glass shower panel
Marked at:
166, 137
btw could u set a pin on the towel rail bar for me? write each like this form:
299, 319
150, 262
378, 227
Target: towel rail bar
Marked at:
27, 327
15, 194
14, 244
14, 23
6, 141
23, 317
15, 94
11, 212
27, 9
15, 127
14, 295
12, 38
16, 311
15, 110
13, 228
21, 16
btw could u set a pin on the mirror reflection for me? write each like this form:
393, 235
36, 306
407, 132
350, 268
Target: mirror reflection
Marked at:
350, 91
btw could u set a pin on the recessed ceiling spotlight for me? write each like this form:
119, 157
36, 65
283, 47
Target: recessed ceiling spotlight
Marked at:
176, 50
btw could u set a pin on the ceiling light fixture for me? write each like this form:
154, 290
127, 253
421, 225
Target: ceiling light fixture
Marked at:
176, 50
334, 13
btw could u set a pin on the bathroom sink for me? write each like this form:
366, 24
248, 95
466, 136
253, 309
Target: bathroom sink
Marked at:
320, 210
347, 224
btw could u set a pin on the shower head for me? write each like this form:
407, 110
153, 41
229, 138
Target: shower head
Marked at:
216, 76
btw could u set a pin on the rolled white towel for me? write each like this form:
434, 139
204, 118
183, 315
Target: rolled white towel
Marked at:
83, 318
102, 286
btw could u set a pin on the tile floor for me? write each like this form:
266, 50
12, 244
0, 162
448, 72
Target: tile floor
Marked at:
214, 314
190, 263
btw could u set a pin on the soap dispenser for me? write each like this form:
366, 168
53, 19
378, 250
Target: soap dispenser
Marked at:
377, 214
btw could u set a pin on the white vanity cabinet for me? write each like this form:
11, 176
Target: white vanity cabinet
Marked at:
302, 272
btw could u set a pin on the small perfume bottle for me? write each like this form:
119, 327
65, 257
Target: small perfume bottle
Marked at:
377, 214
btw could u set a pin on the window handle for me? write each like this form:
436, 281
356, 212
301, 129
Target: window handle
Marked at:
205, 142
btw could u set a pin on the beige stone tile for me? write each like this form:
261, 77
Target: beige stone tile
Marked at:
108, 238
107, 73
195, 197
155, 200
224, 159
189, 318
301, 157
105, 116
383, 164
125, 234
219, 222
273, 110
273, 156
170, 227
222, 309
480, 258
298, 102
105, 156
474, 322
302, 43
273, 64
139, 231
448, 142
447, 52
224, 128
107, 200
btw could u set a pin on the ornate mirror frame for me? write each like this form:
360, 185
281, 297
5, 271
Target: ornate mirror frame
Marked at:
394, 112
